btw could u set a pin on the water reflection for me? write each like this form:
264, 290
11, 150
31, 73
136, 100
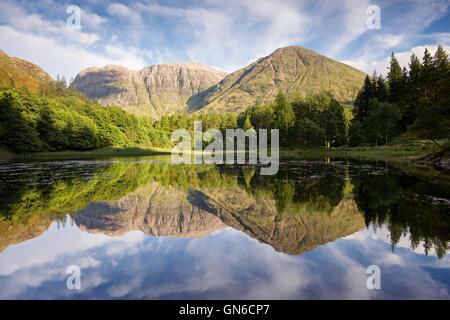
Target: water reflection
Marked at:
147, 229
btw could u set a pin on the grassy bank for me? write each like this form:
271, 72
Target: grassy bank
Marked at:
404, 156
401, 153
93, 154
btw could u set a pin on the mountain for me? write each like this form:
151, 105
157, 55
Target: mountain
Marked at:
154, 209
292, 69
165, 211
153, 91
299, 230
17, 73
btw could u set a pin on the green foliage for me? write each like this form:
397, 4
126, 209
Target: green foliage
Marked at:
421, 94
367, 92
33, 123
317, 120
221, 121
381, 123
247, 123
321, 121
395, 80
284, 117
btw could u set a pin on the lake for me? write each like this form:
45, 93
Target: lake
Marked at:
146, 229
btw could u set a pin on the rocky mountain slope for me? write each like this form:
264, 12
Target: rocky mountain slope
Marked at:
154, 209
17, 73
297, 231
153, 91
172, 88
291, 70
170, 212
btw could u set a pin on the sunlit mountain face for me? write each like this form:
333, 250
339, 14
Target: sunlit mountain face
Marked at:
147, 229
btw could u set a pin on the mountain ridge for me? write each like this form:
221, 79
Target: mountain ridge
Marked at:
293, 69
178, 87
18, 73
152, 91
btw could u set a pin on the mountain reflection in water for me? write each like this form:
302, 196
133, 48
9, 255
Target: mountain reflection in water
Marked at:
302, 211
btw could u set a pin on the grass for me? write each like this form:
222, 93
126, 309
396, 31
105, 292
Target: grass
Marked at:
400, 153
99, 153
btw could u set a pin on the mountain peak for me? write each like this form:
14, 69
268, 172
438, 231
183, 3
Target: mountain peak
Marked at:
293, 48
153, 91
293, 70
190, 86
17, 73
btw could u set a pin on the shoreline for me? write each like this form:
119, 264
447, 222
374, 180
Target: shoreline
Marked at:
409, 158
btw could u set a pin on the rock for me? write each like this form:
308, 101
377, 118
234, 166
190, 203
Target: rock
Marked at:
293, 70
153, 91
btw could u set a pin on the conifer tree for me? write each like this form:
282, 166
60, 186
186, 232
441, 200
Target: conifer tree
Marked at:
381, 89
395, 79
362, 100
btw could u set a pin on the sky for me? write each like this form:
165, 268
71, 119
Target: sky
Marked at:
226, 35
226, 264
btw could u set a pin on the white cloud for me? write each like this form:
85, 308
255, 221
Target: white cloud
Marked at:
381, 66
124, 12
92, 20
227, 34
62, 59
17, 18
234, 33
386, 41
354, 23
403, 58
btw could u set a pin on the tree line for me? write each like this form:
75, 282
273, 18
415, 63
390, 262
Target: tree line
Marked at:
315, 120
58, 119
414, 99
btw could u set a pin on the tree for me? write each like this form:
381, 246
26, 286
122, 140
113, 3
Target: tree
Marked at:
381, 93
395, 80
332, 120
283, 114
426, 79
362, 100
247, 123
383, 121
413, 90
356, 135
441, 79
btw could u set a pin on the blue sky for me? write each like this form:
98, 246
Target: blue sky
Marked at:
224, 34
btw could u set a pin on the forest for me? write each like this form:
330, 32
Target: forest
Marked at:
59, 119
416, 100
413, 100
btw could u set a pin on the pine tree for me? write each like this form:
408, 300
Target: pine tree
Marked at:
412, 91
382, 93
395, 80
426, 80
414, 73
441, 74
433, 113
367, 93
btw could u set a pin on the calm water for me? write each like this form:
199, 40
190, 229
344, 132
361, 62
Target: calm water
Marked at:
145, 229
